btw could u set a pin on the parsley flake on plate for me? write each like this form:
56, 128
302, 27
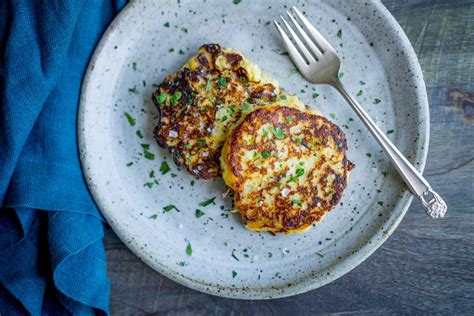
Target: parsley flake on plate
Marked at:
130, 119
148, 155
189, 249
199, 213
208, 202
133, 90
170, 207
164, 168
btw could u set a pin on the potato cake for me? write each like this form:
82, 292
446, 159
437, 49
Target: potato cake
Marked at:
286, 167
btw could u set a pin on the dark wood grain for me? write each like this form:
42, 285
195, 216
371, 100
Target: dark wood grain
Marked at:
426, 266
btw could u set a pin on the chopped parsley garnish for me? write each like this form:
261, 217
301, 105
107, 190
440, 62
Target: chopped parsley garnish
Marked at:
341, 74
134, 66
202, 142
368, 155
247, 106
133, 90
199, 213
315, 95
234, 256
265, 133
384, 173
291, 118
295, 71
189, 249
296, 202
265, 154
284, 54
270, 255
148, 155
167, 24
222, 82
161, 98
333, 116
192, 183
164, 168
171, 50
339, 33
377, 101
298, 140
185, 30
380, 203
187, 146
320, 254
234, 274
152, 174
149, 185
278, 132
154, 216
302, 91
359, 93
390, 131
282, 97
181, 52
236, 1
208, 202
139, 134
298, 173
129, 164
182, 263
130, 119
224, 118
174, 175
144, 83
145, 146
362, 83
175, 98
170, 207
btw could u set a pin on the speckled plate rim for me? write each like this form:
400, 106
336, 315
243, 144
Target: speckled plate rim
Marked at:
345, 264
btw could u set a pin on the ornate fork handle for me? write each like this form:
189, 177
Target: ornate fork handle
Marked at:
434, 207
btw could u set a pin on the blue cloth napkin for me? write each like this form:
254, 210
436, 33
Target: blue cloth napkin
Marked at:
52, 261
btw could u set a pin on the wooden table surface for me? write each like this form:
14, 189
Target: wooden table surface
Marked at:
426, 266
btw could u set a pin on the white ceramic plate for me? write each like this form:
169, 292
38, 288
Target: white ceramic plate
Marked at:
139, 49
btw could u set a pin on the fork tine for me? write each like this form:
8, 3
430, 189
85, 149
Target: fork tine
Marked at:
299, 43
313, 48
294, 53
317, 37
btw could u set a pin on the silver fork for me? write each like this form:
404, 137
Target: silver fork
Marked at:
318, 63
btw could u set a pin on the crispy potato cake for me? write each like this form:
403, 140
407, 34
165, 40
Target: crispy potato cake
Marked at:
286, 168
202, 102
